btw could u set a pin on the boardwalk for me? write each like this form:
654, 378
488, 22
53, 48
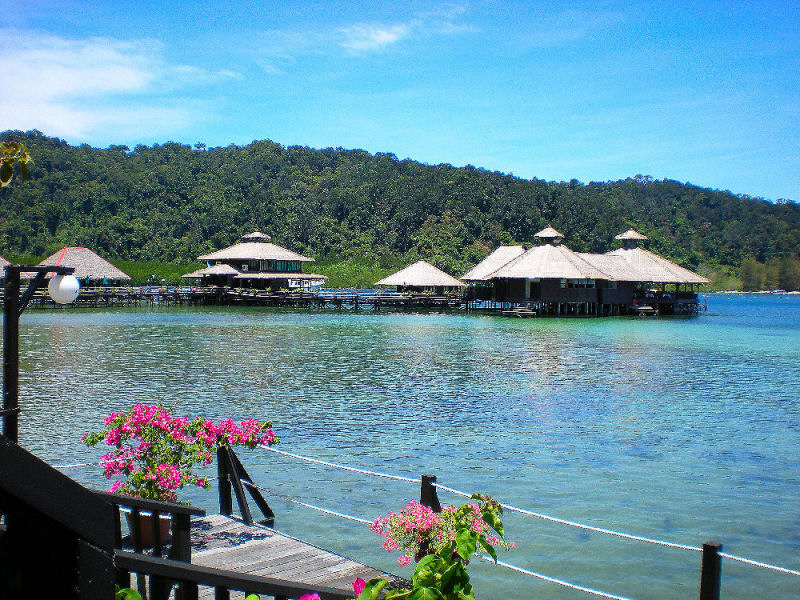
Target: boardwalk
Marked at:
228, 543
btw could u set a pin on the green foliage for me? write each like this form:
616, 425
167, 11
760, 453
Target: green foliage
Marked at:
153, 272
362, 213
783, 273
351, 273
126, 594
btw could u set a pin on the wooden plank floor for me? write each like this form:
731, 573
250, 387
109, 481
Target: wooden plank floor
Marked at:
228, 543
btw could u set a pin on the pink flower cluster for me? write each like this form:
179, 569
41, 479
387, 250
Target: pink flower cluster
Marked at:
417, 529
156, 451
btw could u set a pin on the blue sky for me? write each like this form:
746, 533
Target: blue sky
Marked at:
596, 91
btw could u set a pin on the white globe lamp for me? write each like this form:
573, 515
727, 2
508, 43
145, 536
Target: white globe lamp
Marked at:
64, 289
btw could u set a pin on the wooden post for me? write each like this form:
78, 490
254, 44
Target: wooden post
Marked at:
427, 493
711, 571
11, 355
225, 499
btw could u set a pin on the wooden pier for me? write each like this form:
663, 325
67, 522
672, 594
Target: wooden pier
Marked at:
228, 543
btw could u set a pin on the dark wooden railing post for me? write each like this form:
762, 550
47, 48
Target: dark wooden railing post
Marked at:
11, 355
711, 571
427, 493
225, 497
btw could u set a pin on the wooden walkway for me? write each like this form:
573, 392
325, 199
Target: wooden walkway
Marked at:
228, 543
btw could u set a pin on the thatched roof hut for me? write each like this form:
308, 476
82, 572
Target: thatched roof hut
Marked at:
88, 265
502, 256
256, 262
419, 276
254, 246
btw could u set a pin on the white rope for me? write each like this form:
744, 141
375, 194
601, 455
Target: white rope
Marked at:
91, 464
755, 563
560, 582
337, 466
579, 525
311, 506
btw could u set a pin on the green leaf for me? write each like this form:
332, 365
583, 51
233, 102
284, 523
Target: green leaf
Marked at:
372, 589
426, 593
127, 594
489, 548
427, 570
6, 173
466, 543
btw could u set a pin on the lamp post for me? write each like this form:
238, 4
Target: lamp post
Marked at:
63, 290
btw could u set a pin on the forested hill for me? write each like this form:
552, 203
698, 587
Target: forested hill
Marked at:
173, 202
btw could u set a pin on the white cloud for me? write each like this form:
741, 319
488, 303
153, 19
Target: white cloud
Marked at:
365, 37
86, 88
279, 48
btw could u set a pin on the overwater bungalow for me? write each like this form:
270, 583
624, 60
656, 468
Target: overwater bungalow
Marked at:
421, 277
555, 280
90, 269
256, 263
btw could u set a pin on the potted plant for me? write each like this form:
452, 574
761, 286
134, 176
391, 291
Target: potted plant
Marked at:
154, 453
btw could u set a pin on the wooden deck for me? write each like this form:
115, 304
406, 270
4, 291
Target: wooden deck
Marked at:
228, 543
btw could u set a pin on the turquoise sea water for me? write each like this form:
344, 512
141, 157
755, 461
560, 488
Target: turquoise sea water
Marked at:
680, 429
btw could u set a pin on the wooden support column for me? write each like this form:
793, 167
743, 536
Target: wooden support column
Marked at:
711, 571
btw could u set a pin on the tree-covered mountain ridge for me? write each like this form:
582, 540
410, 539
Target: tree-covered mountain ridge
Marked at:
173, 202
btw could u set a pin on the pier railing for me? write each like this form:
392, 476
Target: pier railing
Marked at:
710, 552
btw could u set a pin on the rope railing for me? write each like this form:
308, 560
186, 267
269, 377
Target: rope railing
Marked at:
76, 465
628, 536
763, 565
506, 565
523, 511
311, 506
338, 466
560, 582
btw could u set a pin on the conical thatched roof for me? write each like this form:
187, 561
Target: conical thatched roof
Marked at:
548, 262
548, 233
86, 263
420, 274
502, 256
255, 247
649, 267
631, 234
220, 269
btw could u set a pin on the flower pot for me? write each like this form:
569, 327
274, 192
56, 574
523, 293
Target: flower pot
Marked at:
146, 528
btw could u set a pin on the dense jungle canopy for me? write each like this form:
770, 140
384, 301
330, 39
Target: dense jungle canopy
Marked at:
173, 202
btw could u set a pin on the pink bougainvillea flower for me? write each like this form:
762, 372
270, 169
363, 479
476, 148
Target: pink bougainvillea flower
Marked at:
359, 585
314, 596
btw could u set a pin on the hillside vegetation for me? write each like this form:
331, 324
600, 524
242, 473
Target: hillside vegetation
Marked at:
355, 211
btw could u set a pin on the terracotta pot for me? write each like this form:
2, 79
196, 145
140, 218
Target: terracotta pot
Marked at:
146, 528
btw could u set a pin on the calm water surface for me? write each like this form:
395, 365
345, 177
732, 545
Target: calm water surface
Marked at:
684, 430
